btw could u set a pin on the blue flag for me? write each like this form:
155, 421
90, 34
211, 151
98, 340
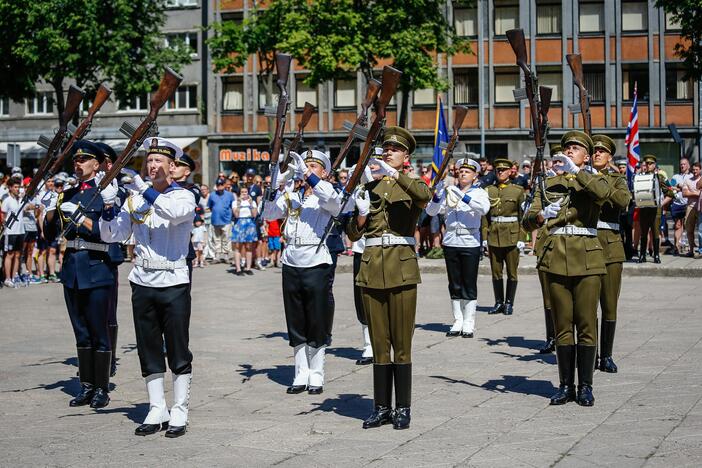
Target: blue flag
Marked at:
440, 135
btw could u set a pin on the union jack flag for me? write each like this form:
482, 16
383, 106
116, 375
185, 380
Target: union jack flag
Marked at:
633, 153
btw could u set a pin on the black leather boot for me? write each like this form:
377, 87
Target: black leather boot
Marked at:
113, 344
103, 361
509, 300
566, 375
642, 249
586, 367
656, 251
498, 289
550, 344
403, 396
606, 363
382, 396
86, 376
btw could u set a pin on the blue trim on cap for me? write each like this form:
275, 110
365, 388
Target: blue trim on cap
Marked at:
150, 195
313, 180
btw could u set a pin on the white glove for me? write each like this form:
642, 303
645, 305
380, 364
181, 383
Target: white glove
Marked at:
564, 163
440, 189
362, 201
520, 245
485, 244
384, 169
138, 185
551, 211
281, 178
456, 191
550, 173
99, 176
299, 165
289, 186
109, 194
69, 208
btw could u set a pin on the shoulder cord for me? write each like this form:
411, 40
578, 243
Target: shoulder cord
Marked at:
137, 217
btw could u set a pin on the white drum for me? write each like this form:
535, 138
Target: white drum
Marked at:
647, 191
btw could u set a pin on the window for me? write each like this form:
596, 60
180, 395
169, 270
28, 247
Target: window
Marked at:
465, 86
41, 103
548, 18
634, 16
552, 79
262, 93
505, 83
4, 106
635, 75
424, 97
677, 89
180, 3
184, 98
345, 93
465, 20
304, 93
594, 81
233, 94
506, 16
188, 39
671, 24
137, 103
592, 17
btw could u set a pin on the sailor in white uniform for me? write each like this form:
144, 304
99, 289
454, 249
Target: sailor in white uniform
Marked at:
160, 218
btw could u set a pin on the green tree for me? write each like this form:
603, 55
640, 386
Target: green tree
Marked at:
89, 41
689, 14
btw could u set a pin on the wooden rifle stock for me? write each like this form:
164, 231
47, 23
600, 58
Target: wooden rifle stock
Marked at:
101, 96
361, 120
282, 65
307, 112
575, 61
518, 42
459, 115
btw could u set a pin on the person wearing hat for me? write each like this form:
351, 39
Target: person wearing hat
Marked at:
306, 268
160, 218
88, 271
386, 213
463, 207
650, 217
503, 235
184, 167
613, 248
573, 260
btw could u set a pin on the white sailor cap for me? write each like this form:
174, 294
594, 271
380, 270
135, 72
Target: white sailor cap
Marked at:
378, 150
71, 181
468, 163
16, 170
318, 157
162, 146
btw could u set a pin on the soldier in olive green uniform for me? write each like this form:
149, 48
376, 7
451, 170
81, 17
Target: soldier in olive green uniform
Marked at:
503, 235
389, 273
608, 234
573, 260
650, 218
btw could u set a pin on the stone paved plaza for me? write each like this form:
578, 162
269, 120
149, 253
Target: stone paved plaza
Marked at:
479, 402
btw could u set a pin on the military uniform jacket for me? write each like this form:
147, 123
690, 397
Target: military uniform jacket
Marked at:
395, 208
618, 199
84, 269
572, 255
505, 200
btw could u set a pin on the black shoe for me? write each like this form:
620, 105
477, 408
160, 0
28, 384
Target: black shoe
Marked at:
364, 361
585, 396
453, 333
175, 431
315, 390
498, 288
656, 259
380, 416
507, 309
510, 295
466, 335
607, 365
84, 397
401, 418
642, 259
293, 389
148, 429
564, 394
498, 309
100, 398
248, 272
548, 347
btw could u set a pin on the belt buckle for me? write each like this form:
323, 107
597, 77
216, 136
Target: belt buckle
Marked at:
145, 263
570, 230
385, 241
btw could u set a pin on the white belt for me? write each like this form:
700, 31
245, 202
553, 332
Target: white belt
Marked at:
80, 244
298, 241
387, 240
151, 264
463, 231
571, 230
504, 219
606, 225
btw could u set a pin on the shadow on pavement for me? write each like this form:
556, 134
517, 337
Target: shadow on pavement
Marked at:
484, 308
282, 335
515, 342
135, 413
69, 386
509, 384
542, 358
348, 405
434, 327
282, 375
345, 352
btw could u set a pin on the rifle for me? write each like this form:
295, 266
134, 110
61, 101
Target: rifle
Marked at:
539, 98
391, 78
357, 129
282, 66
101, 96
459, 116
73, 100
304, 120
575, 61
166, 89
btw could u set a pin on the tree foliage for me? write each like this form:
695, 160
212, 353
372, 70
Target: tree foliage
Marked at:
89, 41
689, 14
